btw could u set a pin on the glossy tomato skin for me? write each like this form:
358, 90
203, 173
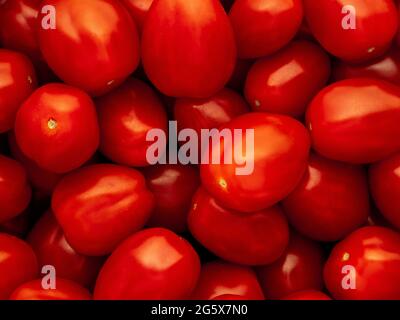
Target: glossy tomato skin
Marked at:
374, 253
126, 115
321, 207
138, 9
15, 192
100, 205
356, 120
220, 278
17, 82
307, 295
262, 28
286, 82
384, 182
209, 113
48, 241
173, 187
248, 239
90, 38
281, 146
18, 265
57, 128
65, 290
298, 268
195, 54
153, 264
376, 24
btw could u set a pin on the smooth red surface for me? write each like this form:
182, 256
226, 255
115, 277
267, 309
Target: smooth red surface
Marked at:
18, 264
95, 45
195, 54
153, 264
138, 10
298, 268
245, 238
321, 207
263, 27
374, 252
286, 82
281, 149
356, 120
100, 205
307, 295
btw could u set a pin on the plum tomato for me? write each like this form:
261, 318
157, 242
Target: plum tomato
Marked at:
153, 264
263, 27
356, 120
256, 238
138, 10
365, 266
94, 45
307, 295
195, 54
98, 206
281, 147
57, 128
321, 207
286, 82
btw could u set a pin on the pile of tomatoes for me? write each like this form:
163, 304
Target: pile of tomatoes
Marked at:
82, 82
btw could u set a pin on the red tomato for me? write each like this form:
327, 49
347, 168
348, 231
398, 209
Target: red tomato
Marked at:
250, 239
100, 205
173, 187
17, 82
15, 192
18, 264
386, 67
57, 128
384, 180
153, 264
356, 120
374, 253
281, 146
48, 241
263, 27
286, 82
209, 113
126, 115
321, 207
219, 279
307, 295
299, 268
195, 54
94, 46
375, 25
138, 10
65, 290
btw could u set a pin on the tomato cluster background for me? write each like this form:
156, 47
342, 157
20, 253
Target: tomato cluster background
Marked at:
317, 219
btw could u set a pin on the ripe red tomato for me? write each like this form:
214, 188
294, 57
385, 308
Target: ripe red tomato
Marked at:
173, 187
100, 205
263, 27
138, 10
286, 82
57, 128
209, 113
307, 295
281, 146
195, 54
321, 207
65, 290
374, 253
18, 264
17, 82
249, 239
298, 268
384, 178
151, 264
94, 46
15, 192
126, 115
356, 120
218, 279
375, 25
48, 241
